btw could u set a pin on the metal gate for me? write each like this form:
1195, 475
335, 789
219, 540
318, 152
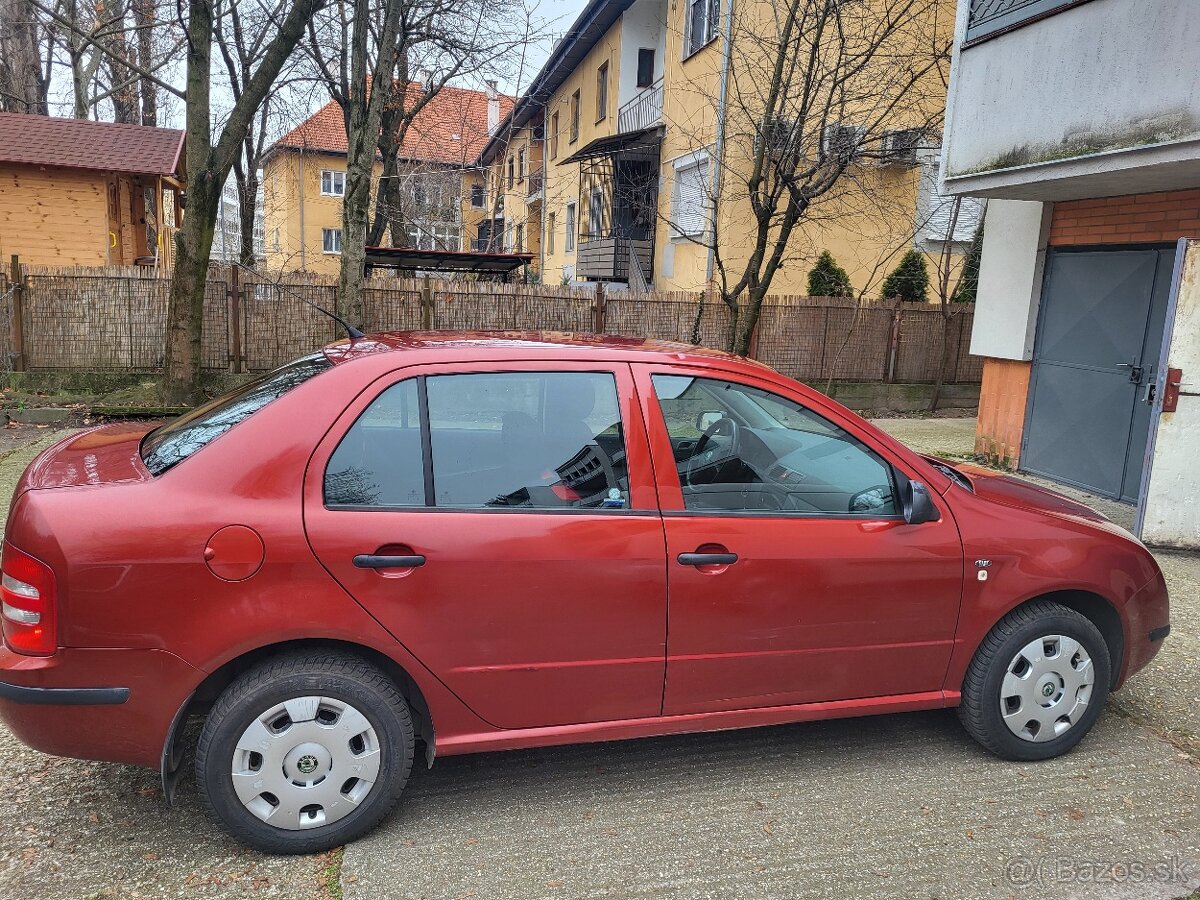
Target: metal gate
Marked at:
1098, 341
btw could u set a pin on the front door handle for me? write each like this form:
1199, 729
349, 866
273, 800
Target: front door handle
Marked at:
372, 561
707, 559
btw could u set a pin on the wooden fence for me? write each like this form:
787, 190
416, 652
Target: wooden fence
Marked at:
89, 319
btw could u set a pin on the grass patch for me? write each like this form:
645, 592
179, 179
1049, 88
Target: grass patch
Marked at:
331, 874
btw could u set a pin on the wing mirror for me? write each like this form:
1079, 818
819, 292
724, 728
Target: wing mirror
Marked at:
918, 505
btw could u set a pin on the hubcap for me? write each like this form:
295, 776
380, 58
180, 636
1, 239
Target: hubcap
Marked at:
1046, 688
306, 762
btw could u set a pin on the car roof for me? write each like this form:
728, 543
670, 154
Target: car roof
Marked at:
516, 344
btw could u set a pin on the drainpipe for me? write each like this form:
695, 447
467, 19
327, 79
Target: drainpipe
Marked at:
719, 153
300, 176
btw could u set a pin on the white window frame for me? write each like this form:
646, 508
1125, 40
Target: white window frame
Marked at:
695, 223
570, 223
331, 241
333, 183
551, 224
711, 27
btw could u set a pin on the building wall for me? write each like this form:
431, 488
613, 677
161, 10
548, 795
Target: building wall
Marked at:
56, 217
1140, 218
295, 212
1052, 110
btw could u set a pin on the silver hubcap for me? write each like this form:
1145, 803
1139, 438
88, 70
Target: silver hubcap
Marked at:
1046, 688
306, 762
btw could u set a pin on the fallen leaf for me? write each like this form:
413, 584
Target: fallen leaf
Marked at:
767, 828
1076, 815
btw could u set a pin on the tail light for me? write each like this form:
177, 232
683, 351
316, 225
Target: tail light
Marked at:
27, 612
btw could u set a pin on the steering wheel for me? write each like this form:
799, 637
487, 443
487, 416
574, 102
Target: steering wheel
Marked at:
725, 436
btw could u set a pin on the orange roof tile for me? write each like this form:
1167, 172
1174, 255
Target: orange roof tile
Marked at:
452, 128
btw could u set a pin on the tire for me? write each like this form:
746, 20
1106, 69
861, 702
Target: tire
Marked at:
1027, 701
326, 736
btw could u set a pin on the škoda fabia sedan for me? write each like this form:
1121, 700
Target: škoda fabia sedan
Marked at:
452, 543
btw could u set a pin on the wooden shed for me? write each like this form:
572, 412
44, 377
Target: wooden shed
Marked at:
80, 193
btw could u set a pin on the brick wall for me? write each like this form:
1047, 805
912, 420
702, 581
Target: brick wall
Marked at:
1135, 218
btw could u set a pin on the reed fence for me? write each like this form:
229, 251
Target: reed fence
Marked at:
113, 319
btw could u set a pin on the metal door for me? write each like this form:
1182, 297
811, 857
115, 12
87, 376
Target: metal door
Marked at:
1100, 329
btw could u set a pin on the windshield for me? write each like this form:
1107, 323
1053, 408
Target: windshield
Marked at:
178, 439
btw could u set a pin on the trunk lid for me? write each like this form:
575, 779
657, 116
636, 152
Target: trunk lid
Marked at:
107, 454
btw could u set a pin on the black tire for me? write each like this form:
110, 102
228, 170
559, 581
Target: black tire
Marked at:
342, 677
980, 707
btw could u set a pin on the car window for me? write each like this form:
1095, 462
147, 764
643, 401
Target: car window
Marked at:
178, 439
741, 449
379, 462
527, 439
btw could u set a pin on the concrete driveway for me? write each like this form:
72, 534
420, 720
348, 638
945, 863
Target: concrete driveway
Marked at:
894, 806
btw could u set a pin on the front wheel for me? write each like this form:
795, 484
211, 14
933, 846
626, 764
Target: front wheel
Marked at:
305, 752
1037, 683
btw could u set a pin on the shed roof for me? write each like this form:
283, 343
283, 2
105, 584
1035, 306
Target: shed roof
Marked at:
81, 144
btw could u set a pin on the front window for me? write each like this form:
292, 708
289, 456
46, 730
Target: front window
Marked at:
331, 240
569, 237
602, 92
740, 449
175, 441
333, 184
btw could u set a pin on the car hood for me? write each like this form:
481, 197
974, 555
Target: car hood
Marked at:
103, 455
1000, 488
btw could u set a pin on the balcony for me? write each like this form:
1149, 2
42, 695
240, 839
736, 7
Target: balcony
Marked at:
534, 184
642, 111
611, 258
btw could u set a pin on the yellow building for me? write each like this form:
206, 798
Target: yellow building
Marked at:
304, 180
648, 128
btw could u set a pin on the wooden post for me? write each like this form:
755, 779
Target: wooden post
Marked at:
235, 321
598, 309
17, 333
889, 375
426, 304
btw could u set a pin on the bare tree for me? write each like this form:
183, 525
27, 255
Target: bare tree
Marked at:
818, 92
24, 77
955, 277
209, 160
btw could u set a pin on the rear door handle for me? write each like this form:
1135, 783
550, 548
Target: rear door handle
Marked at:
371, 561
707, 559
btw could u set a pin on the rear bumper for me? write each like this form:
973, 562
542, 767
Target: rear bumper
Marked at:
41, 696
111, 705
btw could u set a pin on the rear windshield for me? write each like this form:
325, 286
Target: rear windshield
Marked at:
180, 438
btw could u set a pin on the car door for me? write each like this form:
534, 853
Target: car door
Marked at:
501, 523
793, 578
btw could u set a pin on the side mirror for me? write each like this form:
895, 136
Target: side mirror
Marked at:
707, 420
918, 506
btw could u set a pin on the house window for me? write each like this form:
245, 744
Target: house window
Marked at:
689, 213
703, 20
521, 167
569, 237
596, 214
275, 243
645, 70
550, 233
331, 240
554, 136
602, 92
521, 237
508, 236
333, 184
477, 196
511, 178
574, 117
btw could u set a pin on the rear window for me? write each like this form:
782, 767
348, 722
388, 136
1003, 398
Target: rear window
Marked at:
175, 441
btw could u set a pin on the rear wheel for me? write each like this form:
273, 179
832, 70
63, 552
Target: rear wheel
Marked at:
305, 752
1037, 683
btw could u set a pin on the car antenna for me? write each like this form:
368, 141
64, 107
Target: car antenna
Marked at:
351, 332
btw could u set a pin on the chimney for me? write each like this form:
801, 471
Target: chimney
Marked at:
493, 97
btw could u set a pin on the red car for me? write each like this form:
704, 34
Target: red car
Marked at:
475, 542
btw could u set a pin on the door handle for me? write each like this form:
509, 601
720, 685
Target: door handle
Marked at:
371, 561
1135, 371
707, 559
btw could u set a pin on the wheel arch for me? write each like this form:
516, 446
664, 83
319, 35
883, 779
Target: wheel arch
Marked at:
206, 693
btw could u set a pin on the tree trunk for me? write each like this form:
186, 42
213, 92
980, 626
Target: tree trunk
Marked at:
185, 315
23, 88
943, 365
144, 17
247, 213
